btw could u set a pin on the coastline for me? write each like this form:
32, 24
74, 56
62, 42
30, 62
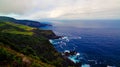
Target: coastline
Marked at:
29, 42
88, 63
43, 44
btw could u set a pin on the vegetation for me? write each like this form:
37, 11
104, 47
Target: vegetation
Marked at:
31, 23
8, 27
25, 46
11, 58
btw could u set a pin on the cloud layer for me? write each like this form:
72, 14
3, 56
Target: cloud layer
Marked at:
61, 9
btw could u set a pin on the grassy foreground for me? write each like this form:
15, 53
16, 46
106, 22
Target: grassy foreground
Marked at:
20, 46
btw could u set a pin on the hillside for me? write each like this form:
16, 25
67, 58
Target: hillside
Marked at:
25, 46
24, 22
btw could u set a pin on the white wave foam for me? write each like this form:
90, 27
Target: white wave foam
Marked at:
86, 65
111, 66
51, 41
78, 54
65, 39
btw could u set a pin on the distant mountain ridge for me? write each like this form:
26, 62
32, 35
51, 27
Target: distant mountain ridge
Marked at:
31, 23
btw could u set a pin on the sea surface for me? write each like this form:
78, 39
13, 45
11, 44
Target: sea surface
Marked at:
97, 40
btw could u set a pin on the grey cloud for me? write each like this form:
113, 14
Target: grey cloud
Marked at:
63, 9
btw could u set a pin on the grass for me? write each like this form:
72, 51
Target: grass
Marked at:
27, 28
9, 27
12, 56
23, 42
17, 32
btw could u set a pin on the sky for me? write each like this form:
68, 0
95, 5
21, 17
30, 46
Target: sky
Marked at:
61, 9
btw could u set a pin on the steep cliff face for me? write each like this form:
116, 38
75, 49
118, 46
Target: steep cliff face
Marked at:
24, 46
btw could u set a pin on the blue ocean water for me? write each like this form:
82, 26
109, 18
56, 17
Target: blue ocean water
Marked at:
94, 42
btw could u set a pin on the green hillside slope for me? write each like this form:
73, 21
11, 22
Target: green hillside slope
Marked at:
24, 46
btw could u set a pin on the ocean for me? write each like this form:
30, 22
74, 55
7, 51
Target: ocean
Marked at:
97, 40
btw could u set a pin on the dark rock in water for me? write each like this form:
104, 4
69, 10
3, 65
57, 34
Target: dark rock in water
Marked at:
71, 63
66, 56
24, 22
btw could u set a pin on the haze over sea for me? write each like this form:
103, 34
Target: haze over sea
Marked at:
94, 39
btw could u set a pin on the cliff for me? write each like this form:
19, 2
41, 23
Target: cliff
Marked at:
25, 46
31, 23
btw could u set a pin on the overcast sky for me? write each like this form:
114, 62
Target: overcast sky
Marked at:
61, 9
